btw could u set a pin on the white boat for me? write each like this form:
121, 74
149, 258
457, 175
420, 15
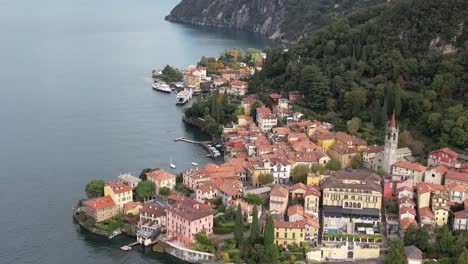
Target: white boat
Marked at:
162, 87
194, 164
126, 248
172, 165
183, 96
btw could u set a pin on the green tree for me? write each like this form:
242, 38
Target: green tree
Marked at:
380, 171
396, 253
334, 165
171, 74
164, 191
253, 198
417, 236
268, 240
299, 173
238, 226
317, 168
265, 178
354, 125
144, 189
315, 85
95, 188
254, 229
354, 102
463, 258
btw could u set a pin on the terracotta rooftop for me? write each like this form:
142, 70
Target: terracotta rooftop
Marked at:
189, 210
374, 149
406, 222
410, 165
263, 110
298, 185
160, 175
130, 205
423, 187
295, 209
426, 212
301, 224
238, 83
119, 187
461, 214
448, 151
405, 209
313, 190
176, 197
101, 202
403, 200
280, 191
459, 176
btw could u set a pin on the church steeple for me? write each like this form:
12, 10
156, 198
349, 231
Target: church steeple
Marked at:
391, 144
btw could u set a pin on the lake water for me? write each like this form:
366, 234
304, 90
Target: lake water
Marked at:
76, 104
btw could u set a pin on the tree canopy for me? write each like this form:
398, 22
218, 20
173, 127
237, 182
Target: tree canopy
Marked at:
144, 189
95, 188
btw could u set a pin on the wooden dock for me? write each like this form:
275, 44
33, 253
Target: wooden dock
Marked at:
205, 144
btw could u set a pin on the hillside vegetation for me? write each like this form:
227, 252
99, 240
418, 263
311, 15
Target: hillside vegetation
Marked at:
407, 55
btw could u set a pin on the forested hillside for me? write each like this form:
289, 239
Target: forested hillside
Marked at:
288, 20
407, 55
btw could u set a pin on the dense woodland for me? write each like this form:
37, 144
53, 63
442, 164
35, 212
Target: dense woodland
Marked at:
407, 56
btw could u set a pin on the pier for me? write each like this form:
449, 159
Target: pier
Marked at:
213, 152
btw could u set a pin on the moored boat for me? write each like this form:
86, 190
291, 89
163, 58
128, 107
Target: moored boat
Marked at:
183, 97
162, 87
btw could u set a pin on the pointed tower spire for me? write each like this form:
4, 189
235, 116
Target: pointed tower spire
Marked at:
393, 120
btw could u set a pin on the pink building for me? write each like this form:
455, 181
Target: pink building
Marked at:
205, 192
193, 178
188, 218
279, 198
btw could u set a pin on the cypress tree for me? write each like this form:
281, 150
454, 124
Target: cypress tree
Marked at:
269, 240
238, 226
383, 113
254, 227
397, 98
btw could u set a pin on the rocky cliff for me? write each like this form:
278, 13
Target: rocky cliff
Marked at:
289, 20
262, 16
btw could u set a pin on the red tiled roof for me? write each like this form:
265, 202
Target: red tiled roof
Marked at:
461, 214
275, 96
119, 187
405, 209
131, 205
295, 209
459, 176
176, 197
313, 190
403, 200
423, 187
298, 185
280, 190
160, 175
426, 212
296, 225
448, 151
406, 222
263, 110
239, 83
410, 165
101, 202
189, 210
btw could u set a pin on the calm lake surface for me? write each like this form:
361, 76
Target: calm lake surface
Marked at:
76, 104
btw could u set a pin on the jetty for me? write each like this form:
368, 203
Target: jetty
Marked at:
115, 233
129, 247
207, 145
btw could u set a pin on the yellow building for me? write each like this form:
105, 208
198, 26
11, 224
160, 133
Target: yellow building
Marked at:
120, 193
425, 191
258, 169
162, 178
314, 179
324, 141
442, 214
343, 153
192, 79
298, 190
288, 233
351, 194
133, 208
312, 200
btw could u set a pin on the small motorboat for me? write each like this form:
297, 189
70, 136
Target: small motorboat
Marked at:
126, 248
194, 164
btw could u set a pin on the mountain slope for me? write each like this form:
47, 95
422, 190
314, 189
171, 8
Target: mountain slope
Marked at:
408, 55
279, 19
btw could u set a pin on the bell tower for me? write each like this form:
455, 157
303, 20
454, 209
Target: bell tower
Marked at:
391, 144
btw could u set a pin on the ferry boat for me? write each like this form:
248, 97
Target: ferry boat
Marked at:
194, 164
162, 87
183, 97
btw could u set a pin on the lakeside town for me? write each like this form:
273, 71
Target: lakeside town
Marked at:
291, 188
